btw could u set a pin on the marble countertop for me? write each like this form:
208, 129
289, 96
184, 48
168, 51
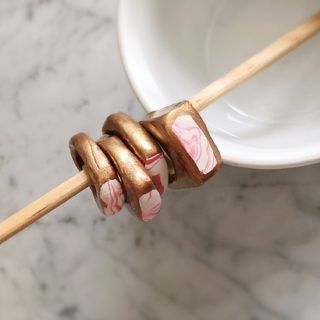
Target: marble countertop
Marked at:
245, 246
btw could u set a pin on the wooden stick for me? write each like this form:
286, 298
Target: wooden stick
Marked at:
43, 205
240, 74
257, 63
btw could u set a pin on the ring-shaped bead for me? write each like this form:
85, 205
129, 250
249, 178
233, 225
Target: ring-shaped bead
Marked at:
141, 193
182, 133
142, 145
106, 187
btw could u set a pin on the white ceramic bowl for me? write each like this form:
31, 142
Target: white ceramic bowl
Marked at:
172, 48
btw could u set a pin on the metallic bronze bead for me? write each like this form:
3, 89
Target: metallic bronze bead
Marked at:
142, 145
184, 136
141, 193
106, 188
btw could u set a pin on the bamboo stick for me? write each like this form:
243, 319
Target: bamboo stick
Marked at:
257, 63
43, 205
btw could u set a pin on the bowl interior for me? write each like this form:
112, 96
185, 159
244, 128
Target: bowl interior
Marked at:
171, 49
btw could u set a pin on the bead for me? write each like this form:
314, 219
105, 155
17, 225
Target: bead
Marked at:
142, 145
141, 193
184, 136
106, 188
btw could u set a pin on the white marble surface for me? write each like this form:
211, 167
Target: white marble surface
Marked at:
245, 246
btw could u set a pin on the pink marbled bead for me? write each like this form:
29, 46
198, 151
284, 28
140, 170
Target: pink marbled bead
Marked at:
111, 197
150, 204
194, 142
158, 169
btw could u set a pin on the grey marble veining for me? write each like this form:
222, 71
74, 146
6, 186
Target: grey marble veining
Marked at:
245, 246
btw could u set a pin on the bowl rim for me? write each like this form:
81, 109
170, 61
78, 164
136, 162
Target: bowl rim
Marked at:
291, 159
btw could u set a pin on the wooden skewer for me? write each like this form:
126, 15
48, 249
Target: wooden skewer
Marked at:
201, 100
49, 201
258, 62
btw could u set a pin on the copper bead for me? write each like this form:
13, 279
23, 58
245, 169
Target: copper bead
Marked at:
184, 136
106, 188
141, 193
142, 145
